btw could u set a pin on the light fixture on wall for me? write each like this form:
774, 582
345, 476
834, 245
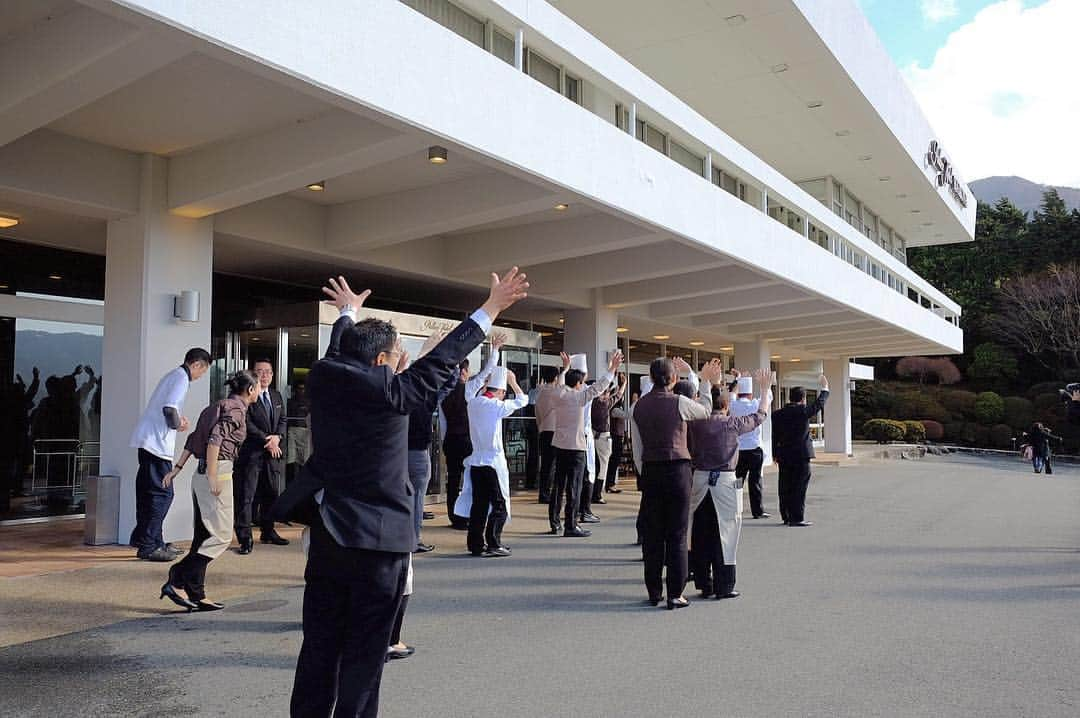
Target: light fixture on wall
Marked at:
622, 330
8, 221
795, 359
436, 155
186, 306
317, 186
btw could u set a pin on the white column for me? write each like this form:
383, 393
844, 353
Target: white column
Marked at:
519, 49
149, 258
592, 332
838, 407
748, 357
633, 121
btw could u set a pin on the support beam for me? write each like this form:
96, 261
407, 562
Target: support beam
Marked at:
838, 407
795, 310
59, 172
591, 332
690, 284
868, 329
237, 172
728, 301
776, 329
67, 62
651, 261
540, 243
438, 209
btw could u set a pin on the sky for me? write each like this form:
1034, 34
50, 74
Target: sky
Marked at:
996, 78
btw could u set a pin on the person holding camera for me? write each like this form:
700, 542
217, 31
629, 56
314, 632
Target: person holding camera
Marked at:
1039, 438
1072, 404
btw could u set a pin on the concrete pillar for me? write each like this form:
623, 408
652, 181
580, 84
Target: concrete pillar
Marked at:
838, 407
748, 357
149, 258
592, 332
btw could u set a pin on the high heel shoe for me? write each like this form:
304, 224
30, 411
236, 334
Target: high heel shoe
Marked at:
167, 590
206, 605
679, 602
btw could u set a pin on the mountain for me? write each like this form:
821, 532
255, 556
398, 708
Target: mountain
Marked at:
1025, 194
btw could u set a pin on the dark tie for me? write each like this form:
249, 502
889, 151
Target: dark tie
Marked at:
266, 403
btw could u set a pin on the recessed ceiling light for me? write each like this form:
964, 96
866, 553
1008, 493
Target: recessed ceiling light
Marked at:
8, 221
317, 186
4, 285
55, 277
561, 320
883, 179
814, 104
561, 207
778, 68
775, 356
546, 334
621, 330
795, 359
256, 339
865, 158
735, 20
436, 155
727, 349
697, 344
843, 133
305, 336
661, 337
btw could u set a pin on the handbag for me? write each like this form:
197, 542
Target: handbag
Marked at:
1026, 452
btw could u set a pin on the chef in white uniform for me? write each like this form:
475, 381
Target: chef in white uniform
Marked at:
485, 490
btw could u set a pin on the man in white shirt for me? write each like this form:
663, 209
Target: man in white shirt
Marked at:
751, 455
485, 494
155, 438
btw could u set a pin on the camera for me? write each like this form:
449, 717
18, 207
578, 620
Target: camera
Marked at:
1067, 392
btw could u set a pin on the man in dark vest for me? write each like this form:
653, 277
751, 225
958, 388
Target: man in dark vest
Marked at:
360, 544
793, 448
660, 451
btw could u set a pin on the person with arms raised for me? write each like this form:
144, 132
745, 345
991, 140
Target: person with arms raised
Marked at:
793, 448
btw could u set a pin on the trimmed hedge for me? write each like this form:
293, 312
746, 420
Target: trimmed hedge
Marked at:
1019, 412
989, 408
960, 402
934, 430
914, 431
1001, 436
884, 430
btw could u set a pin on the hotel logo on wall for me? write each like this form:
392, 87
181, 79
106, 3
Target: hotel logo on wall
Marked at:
943, 171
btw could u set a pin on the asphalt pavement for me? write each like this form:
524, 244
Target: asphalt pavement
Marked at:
941, 587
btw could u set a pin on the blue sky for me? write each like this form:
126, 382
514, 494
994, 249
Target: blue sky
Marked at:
993, 77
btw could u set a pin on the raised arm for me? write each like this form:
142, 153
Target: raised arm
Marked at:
819, 403
521, 399
476, 382
601, 384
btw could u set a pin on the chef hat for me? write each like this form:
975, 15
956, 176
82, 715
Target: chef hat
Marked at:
746, 385
646, 385
579, 362
497, 378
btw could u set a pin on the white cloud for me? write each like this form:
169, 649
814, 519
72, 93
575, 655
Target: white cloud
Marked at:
1001, 96
938, 10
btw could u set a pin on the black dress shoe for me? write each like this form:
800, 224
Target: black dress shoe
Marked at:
589, 519
555, 529
614, 490
679, 602
158, 555
246, 547
763, 516
732, 594
577, 532
654, 601
428, 516
274, 538
543, 500
205, 605
423, 548
393, 654
599, 501
167, 591
800, 523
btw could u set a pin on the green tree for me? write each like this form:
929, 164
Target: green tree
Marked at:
992, 363
989, 408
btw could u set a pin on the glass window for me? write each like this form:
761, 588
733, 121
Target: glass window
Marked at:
502, 46
451, 17
816, 189
573, 89
687, 159
544, 72
652, 137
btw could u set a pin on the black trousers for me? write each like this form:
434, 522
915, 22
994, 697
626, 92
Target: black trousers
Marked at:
351, 603
547, 465
612, 478
585, 505
254, 492
399, 621
569, 473
456, 448
707, 553
532, 455
749, 468
488, 515
665, 513
189, 573
152, 501
791, 485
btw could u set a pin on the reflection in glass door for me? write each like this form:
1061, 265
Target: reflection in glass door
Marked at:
301, 351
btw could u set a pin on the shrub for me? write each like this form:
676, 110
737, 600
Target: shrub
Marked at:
968, 434
954, 430
982, 436
989, 408
1019, 412
1044, 387
921, 368
959, 401
1001, 436
920, 406
914, 431
992, 363
1047, 402
884, 430
934, 430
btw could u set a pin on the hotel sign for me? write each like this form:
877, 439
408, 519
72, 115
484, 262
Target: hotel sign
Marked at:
937, 160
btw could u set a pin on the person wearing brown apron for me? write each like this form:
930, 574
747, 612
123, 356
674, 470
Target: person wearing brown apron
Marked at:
217, 437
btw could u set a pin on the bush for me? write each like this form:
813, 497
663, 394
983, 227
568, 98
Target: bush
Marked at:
992, 363
1019, 412
989, 408
1047, 402
934, 430
921, 368
959, 401
982, 436
920, 406
1044, 387
1001, 436
968, 434
884, 430
914, 431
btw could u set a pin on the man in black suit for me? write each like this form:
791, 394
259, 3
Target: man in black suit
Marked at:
359, 552
793, 448
257, 478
